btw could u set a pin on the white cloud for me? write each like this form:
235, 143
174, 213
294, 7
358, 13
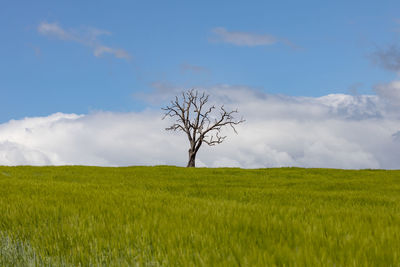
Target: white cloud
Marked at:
243, 38
390, 92
88, 37
102, 138
52, 29
337, 131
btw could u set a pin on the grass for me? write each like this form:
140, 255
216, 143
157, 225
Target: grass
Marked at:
169, 216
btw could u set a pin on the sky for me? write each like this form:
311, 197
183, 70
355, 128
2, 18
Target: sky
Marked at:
83, 81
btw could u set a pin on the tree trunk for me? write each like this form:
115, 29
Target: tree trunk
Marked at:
192, 159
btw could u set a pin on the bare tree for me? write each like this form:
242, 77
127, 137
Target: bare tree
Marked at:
199, 122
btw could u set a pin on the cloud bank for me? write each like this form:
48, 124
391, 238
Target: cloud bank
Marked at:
333, 131
89, 37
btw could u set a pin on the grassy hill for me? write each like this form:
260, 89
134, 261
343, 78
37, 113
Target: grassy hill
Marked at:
151, 216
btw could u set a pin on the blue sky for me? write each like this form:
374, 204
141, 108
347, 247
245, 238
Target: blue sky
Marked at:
83, 56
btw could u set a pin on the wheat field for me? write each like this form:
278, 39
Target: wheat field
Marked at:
170, 216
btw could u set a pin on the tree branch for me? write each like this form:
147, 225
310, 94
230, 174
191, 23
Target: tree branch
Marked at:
200, 129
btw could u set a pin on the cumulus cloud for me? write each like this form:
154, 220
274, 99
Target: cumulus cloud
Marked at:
242, 38
103, 138
88, 36
336, 131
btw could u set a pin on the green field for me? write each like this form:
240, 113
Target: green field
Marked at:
170, 216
